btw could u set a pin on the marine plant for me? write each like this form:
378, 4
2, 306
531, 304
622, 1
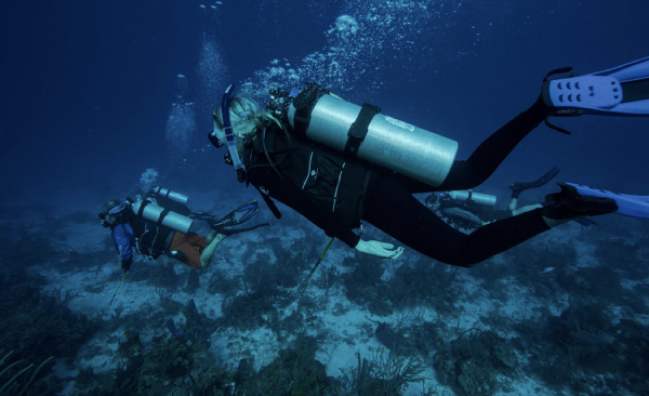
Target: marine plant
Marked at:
364, 285
387, 374
15, 381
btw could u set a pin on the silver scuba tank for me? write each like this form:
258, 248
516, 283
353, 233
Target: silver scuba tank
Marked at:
173, 195
389, 143
152, 212
478, 198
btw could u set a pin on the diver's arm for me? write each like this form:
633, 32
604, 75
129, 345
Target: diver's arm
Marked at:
379, 249
124, 241
303, 203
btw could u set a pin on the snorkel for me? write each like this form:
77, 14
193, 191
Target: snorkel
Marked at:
229, 135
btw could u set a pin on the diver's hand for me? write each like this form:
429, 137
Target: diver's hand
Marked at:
126, 266
379, 249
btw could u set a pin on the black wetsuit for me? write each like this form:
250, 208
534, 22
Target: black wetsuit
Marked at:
384, 199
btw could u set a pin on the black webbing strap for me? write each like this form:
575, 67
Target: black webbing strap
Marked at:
304, 104
163, 214
635, 90
358, 129
141, 209
271, 205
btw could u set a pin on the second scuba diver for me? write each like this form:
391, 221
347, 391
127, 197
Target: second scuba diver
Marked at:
337, 164
470, 210
159, 224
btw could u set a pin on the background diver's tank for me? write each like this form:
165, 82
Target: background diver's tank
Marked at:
389, 143
172, 195
478, 198
160, 215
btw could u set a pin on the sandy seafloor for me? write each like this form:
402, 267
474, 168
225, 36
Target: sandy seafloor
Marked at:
137, 298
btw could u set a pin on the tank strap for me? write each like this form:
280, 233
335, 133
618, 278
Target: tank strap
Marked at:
163, 214
304, 104
271, 205
358, 129
140, 212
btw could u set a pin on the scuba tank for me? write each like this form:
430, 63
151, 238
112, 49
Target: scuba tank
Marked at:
477, 198
149, 210
365, 133
172, 195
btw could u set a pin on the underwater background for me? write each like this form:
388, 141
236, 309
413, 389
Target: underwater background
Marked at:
102, 98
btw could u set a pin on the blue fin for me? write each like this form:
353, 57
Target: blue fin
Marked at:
622, 90
629, 205
238, 216
245, 212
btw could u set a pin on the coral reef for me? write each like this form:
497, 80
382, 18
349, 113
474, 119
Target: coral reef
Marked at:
472, 362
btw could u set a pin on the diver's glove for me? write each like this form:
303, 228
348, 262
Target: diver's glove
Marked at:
379, 249
126, 265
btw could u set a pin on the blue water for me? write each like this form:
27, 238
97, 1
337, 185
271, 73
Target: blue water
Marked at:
90, 90
86, 85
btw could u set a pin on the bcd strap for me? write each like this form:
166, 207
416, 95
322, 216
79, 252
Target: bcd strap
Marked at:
304, 103
140, 212
271, 205
358, 129
163, 214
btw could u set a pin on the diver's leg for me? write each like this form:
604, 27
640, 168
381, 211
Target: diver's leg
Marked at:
208, 251
210, 236
396, 212
488, 156
518, 187
493, 151
525, 209
513, 204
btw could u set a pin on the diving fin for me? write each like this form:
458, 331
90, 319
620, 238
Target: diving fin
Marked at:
621, 91
628, 205
585, 221
569, 204
518, 187
238, 216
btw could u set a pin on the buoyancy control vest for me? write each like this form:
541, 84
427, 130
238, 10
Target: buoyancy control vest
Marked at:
333, 144
338, 183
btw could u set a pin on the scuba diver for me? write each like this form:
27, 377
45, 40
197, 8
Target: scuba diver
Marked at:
337, 163
159, 222
470, 210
